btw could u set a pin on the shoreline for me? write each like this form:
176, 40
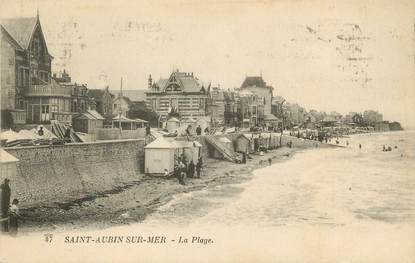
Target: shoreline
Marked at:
133, 202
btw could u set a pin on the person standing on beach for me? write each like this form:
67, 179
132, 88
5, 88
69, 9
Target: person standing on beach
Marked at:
148, 131
4, 204
176, 171
244, 158
191, 169
198, 169
182, 172
199, 166
13, 217
198, 130
360, 146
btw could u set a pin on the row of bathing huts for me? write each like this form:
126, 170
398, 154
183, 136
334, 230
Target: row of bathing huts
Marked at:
164, 153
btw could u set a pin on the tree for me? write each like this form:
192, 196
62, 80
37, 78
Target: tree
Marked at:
139, 110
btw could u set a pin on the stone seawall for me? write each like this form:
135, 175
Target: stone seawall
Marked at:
46, 174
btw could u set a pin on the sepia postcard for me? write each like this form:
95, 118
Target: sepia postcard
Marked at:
207, 131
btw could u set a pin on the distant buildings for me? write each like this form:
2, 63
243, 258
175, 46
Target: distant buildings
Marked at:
103, 101
259, 87
121, 104
216, 105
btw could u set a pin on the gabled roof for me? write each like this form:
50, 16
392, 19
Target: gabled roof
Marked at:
186, 81
95, 114
160, 143
190, 84
90, 115
6, 157
125, 119
253, 81
21, 29
9, 38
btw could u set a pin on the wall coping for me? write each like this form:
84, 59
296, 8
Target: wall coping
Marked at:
74, 144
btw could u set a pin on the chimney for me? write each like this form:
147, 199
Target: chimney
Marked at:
150, 81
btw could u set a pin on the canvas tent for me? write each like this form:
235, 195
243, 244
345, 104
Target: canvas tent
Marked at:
243, 144
172, 124
191, 150
226, 143
159, 155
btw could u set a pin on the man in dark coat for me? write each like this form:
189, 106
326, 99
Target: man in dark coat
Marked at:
199, 167
198, 130
191, 168
148, 130
67, 134
244, 158
5, 204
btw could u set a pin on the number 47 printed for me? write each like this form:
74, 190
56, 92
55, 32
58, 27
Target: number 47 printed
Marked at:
48, 238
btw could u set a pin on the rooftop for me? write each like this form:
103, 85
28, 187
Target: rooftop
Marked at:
20, 28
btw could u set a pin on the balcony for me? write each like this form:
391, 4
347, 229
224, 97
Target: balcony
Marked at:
48, 90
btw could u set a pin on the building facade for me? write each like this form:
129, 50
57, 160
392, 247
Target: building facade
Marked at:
259, 87
250, 108
80, 101
103, 102
121, 104
216, 105
182, 91
31, 94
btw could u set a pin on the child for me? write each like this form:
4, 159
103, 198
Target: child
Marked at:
13, 217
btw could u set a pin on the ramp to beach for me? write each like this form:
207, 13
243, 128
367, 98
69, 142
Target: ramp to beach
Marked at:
227, 153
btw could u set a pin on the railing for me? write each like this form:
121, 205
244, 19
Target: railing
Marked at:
48, 90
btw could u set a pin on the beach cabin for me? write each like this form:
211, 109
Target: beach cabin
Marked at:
7, 165
172, 124
275, 140
159, 155
88, 122
243, 144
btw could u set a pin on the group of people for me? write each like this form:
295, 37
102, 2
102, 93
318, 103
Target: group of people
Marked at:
198, 130
182, 170
9, 213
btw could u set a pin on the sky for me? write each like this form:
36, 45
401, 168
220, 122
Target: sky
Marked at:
327, 55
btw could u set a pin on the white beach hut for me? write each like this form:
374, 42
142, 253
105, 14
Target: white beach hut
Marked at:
7, 165
159, 155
